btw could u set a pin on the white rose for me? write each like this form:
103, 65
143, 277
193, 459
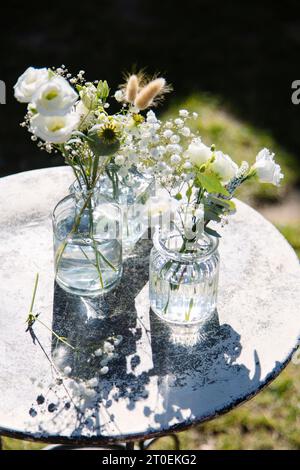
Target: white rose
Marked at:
54, 129
29, 82
55, 97
198, 153
266, 168
224, 166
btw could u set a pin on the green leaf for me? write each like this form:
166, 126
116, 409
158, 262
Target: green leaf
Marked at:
226, 203
212, 215
212, 232
178, 196
189, 192
211, 184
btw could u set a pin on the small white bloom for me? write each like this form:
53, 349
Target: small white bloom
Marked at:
104, 370
104, 362
67, 370
88, 393
151, 117
169, 124
224, 166
175, 139
154, 152
119, 160
92, 382
179, 122
54, 129
108, 347
118, 340
174, 148
161, 149
187, 165
185, 131
266, 168
55, 97
198, 153
195, 115
119, 96
175, 158
168, 134
183, 113
98, 352
29, 82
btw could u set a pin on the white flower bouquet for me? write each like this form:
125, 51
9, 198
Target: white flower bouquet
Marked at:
70, 115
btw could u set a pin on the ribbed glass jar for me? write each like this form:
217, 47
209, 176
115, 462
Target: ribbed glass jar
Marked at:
183, 286
87, 230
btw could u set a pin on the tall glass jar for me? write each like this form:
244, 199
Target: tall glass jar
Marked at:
183, 285
132, 193
87, 230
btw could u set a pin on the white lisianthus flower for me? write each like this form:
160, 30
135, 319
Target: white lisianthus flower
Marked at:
224, 166
55, 97
54, 129
198, 153
266, 168
29, 82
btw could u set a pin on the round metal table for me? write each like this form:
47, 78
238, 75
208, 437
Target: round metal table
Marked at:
160, 380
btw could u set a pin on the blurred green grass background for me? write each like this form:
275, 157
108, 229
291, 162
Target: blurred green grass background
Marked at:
271, 420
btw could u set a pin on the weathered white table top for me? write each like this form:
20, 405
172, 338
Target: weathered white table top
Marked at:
158, 383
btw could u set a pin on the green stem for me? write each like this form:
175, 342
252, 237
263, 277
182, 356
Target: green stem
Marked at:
34, 292
60, 338
62, 247
97, 264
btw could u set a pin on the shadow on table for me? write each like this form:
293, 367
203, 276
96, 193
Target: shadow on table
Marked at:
199, 380
86, 323
189, 373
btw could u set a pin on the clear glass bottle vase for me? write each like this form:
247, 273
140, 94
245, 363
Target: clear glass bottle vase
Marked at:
183, 283
87, 230
132, 193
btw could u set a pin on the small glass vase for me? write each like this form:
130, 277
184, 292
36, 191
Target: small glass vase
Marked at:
87, 230
132, 193
183, 285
